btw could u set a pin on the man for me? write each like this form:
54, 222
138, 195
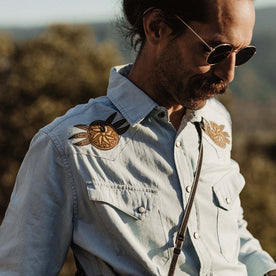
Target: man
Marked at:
112, 178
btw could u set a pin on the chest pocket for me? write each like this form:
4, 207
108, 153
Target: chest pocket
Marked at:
226, 197
131, 213
133, 201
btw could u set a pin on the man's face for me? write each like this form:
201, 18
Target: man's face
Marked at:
182, 75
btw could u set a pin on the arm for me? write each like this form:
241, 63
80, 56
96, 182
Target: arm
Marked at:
37, 229
257, 261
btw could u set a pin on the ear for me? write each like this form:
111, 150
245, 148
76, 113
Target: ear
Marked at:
154, 27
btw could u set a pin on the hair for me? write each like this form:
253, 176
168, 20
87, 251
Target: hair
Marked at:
188, 10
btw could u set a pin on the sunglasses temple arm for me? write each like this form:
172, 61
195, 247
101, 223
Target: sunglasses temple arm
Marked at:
198, 36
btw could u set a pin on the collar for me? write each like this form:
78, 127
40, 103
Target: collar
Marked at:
134, 104
131, 101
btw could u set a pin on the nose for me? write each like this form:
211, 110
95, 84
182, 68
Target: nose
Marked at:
226, 68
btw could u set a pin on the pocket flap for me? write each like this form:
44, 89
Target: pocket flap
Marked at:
134, 201
228, 189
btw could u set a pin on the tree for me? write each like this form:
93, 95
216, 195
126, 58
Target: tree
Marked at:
39, 80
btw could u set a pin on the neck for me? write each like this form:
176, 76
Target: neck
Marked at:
141, 75
176, 114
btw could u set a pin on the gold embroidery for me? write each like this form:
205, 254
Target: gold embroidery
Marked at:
216, 133
102, 135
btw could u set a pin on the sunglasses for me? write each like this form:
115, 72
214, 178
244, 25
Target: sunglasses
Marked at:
222, 51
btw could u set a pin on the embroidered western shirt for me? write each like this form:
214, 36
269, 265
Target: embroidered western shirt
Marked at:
111, 179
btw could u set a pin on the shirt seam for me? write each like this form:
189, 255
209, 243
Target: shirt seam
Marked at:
66, 117
60, 150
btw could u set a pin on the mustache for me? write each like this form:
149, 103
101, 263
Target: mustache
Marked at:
208, 85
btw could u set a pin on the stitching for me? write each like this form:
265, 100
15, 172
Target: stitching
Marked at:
117, 187
68, 171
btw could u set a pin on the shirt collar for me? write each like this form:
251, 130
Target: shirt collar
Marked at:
131, 101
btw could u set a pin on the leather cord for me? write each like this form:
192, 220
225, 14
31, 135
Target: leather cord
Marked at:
184, 223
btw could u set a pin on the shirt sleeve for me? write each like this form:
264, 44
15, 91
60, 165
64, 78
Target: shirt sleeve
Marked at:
37, 229
257, 261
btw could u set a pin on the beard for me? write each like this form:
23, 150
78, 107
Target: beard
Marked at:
193, 93
176, 86
200, 88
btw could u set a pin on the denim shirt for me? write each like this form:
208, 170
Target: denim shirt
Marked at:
111, 179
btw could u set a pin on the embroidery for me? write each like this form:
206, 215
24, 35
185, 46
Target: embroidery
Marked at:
102, 135
216, 133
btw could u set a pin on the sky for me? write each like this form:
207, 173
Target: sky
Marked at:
41, 12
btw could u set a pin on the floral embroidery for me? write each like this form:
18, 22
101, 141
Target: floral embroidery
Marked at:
216, 133
102, 135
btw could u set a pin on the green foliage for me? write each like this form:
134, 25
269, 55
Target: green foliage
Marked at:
256, 154
39, 80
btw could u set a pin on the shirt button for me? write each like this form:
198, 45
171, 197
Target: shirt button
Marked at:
177, 144
188, 189
228, 200
196, 235
141, 210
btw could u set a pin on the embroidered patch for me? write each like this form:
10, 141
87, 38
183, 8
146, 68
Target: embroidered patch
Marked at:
102, 135
216, 133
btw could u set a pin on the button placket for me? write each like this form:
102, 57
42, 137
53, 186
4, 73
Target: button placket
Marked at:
228, 200
178, 144
188, 189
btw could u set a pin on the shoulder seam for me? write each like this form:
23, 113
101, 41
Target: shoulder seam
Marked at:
66, 163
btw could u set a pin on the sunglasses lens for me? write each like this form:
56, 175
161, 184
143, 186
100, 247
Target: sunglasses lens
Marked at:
219, 53
245, 54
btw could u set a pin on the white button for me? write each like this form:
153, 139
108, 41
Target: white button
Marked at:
141, 210
196, 236
177, 144
228, 200
188, 189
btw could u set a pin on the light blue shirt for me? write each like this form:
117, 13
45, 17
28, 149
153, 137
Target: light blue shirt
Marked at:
111, 179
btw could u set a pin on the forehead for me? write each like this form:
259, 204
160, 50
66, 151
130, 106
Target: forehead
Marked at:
230, 21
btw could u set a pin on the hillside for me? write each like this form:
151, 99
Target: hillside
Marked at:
256, 80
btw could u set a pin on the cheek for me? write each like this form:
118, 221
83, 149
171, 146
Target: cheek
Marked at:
200, 66
195, 64
204, 69
195, 71
194, 56
195, 59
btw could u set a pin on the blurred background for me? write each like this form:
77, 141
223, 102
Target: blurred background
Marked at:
55, 54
